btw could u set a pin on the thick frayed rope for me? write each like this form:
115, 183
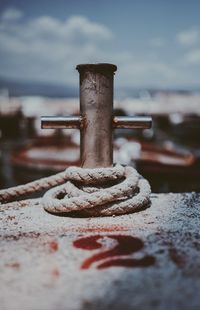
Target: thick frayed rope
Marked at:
93, 192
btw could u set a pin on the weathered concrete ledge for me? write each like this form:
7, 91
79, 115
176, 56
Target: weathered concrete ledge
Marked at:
145, 260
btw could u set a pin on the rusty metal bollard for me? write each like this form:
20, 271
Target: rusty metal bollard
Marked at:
96, 121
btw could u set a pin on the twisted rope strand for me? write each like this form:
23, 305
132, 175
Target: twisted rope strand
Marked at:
87, 191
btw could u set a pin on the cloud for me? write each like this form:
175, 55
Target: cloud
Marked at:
189, 37
48, 49
76, 27
149, 73
192, 57
157, 42
11, 14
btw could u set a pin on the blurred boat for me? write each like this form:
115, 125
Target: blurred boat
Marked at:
185, 128
43, 157
167, 168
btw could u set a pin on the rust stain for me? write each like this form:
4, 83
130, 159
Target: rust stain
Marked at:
20, 235
10, 218
103, 228
55, 273
176, 257
13, 265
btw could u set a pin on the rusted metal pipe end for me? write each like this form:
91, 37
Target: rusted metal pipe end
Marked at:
96, 105
97, 68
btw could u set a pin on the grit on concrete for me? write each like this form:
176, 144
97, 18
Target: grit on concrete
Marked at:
44, 267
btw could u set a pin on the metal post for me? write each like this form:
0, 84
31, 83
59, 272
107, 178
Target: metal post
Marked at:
96, 105
96, 121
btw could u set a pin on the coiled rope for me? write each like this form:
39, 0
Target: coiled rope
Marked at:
94, 192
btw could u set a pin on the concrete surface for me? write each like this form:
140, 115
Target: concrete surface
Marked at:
146, 260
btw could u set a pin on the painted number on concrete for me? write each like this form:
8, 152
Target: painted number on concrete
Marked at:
114, 256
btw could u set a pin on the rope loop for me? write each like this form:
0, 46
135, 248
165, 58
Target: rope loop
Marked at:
92, 192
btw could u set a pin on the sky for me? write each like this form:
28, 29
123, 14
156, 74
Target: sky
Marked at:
154, 43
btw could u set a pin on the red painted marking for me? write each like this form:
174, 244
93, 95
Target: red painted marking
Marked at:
128, 262
88, 243
126, 245
55, 273
53, 246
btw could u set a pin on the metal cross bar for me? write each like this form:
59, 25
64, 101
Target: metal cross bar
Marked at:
96, 121
66, 122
